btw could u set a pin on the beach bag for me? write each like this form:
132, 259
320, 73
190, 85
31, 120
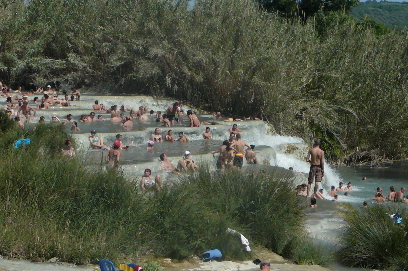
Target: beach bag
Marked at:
214, 254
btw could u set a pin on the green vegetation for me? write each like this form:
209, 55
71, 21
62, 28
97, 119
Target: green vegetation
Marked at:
335, 78
389, 13
51, 206
372, 240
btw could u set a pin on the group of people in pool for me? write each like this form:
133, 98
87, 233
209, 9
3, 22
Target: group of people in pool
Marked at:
393, 196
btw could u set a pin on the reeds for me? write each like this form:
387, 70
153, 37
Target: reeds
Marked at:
373, 240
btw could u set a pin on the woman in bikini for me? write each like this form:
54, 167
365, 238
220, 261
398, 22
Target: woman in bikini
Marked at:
148, 183
194, 121
113, 157
157, 137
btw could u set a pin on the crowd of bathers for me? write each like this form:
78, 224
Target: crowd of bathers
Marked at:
231, 153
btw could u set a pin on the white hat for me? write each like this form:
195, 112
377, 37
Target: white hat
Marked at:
187, 153
48, 86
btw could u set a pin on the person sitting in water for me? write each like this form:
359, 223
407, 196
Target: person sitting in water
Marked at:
127, 123
349, 187
159, 117
207, 134
143, 116
68, 150
340, 188
113, 156
100, 118
96, 106
250, 156
302, 190
379, 198
150, 145
147, 183
166, 165
97, 142
119, 139
332, 192
183, 138
335, 198
166, 121
347, 194
399, 195
194, 121
156, 136
235, 129
379, 190
169, 137
319, 194
186, 163
74, 126
115, 117
391, 195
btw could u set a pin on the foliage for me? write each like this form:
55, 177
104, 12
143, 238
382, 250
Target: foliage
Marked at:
391, 14
372, 240
51, 206
333, 77
306, 9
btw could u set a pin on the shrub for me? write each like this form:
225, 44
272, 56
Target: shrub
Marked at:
372, 240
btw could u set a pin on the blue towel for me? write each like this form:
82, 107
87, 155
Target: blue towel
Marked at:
212, 255
21, 142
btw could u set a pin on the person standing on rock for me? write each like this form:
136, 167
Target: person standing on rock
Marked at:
315, 157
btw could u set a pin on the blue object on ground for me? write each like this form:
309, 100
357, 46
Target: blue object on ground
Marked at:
212, 255
106, 265
21, 142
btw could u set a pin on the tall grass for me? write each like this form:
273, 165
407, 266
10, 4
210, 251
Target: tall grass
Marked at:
51, 206
372, 240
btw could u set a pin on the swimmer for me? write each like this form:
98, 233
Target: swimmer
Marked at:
379, 198
319, 194
186, 163
194, 121
231, 139
147, 183
336, 198
150, 145
349, 187
399, 195
119, 139
332, 192
96, 142
166, 165
250, 156
96, 106
127, 123
74, 126
340, 188
113, 157
207, 134
239, 146
68, 150
235, 129
347, 194
91, 117
165, 120
391, 195
221, 158
169, 137
156, 136
301, 190
183, 138
171, 112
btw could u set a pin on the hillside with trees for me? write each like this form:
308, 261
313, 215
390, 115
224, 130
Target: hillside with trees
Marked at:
331, 77
391, 14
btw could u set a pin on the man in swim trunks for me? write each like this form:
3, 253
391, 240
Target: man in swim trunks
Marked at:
171, 112
315, 157
207, 134
113, 157
239, 146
